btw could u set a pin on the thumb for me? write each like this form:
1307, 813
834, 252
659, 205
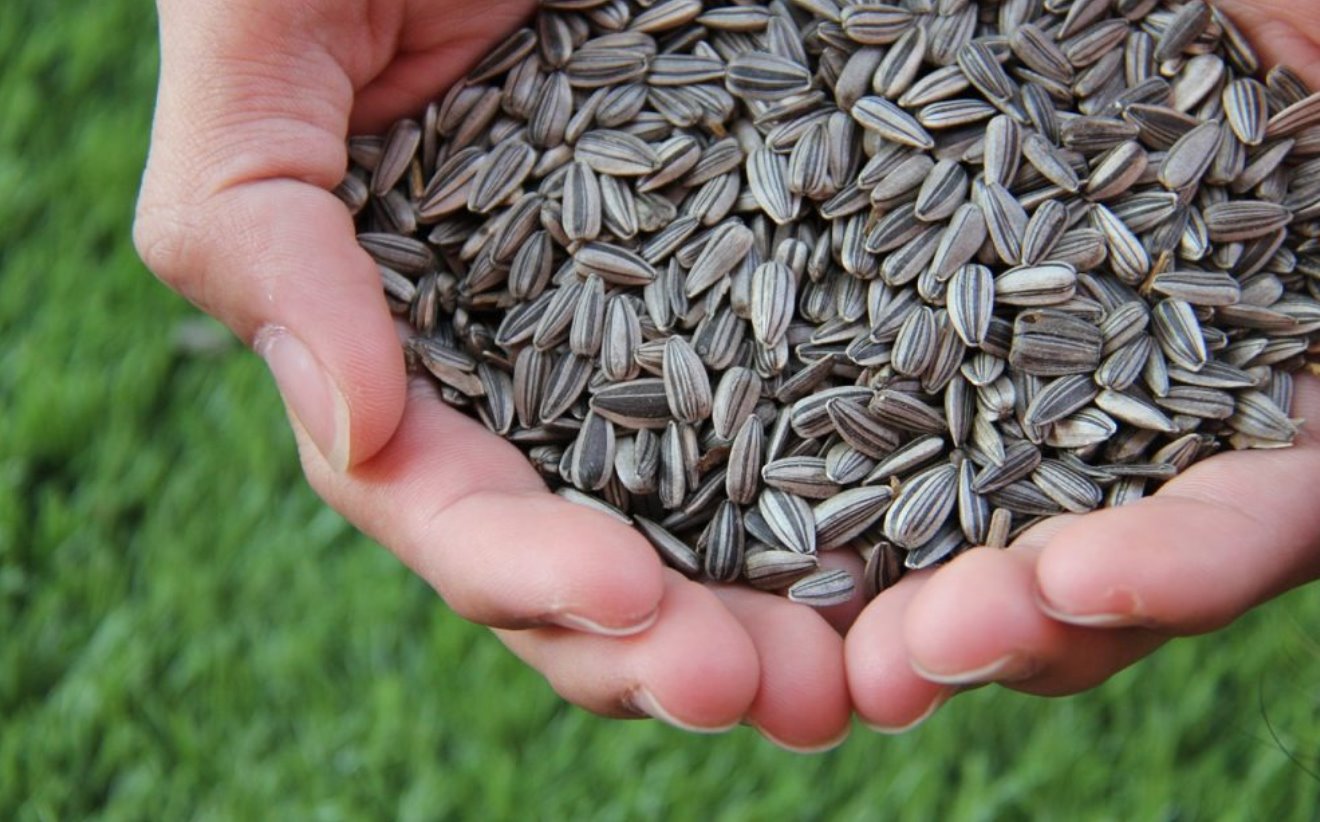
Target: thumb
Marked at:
235, 213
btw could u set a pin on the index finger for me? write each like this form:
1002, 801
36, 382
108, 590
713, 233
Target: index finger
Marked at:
467, 512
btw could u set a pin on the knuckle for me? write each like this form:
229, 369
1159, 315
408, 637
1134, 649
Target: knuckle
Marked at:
161, 236
169, 237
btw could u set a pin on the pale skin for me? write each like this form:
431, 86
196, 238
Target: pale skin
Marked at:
254, 104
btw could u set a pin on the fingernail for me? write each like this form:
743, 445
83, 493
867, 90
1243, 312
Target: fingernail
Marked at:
1007, 668
1122, 607
645, 702
802, 749
934, 706
310, 396
590, 626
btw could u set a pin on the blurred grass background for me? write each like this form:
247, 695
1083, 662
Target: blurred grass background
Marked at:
185, 632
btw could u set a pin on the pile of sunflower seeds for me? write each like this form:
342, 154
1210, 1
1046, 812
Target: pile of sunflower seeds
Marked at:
772, 280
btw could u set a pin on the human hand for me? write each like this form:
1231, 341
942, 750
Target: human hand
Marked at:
1076, 599
254, 104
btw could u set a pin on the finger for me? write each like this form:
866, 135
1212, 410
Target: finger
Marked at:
695, 668
437, 44
466, 511
886, 693
1286, 33
1231, 532
972, 621
802, 701
235, 212
976, 621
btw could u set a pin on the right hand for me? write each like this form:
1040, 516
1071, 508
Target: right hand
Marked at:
1074, 600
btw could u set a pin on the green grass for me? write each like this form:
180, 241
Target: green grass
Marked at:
186, 632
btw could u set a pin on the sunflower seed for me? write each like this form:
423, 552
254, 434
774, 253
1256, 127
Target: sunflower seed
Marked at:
687, 386
725, 248
914, 454
735, 397
1238, 220
1043, 284
1182, 30
581, 202
1257, 416
640, 403
1196, 401
1214, 374
942, 545
848, 513
823, 588
1045, 158
603, 66
921, 506
1040, 52
900, 65
735, 18
1300, 115
1047, 342
1123, 367
767, 178
1246, 107
1006, 222
876, 24
723, 540
891, 122
846, 465
1059, 398
1211, 288
1189, 157
789, 518
762, 76
577, 497
1179, 333
403, 254
906, 412
613, 263
861, 429
1133, 410
616, 152
564, 385
678, 554
593, 453
1073, 492
1116, 171
962, 237
772, 569
501, 175
1128, 258
773, 297
744, 465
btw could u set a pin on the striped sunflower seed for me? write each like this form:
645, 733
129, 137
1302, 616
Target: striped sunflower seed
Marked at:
921, 506
789, 518
772, 570
823, 588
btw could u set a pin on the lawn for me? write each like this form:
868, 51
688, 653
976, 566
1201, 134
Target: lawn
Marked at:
186, 632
